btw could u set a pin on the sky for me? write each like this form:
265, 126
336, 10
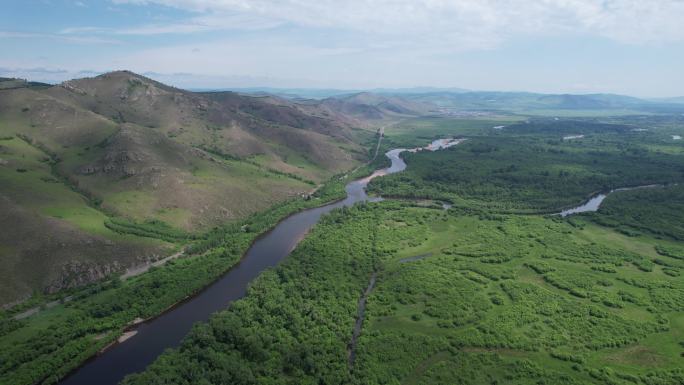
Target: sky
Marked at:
633, 47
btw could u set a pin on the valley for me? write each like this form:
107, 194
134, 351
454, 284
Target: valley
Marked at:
386, 192
474, 294
453, 268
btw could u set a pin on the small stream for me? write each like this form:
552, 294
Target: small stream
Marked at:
359, 319
149, 339
594, 203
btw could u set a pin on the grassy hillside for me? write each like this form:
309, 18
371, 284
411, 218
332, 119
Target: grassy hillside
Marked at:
53, 238
123, 147
237, 125
364, 110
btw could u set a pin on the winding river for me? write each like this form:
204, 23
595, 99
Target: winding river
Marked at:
149, 339
594, 203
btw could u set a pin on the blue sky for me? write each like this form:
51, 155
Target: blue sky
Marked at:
631, 47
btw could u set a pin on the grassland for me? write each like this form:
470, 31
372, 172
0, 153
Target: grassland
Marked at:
520, 299
65, 228
411, 131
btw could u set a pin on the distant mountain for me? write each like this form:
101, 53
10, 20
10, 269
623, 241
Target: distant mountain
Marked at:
676, 100
11, 83
521, 102
370, 106
361, 110
323, 93
120, 145
288, 93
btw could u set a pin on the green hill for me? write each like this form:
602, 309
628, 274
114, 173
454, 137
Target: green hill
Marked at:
124, 146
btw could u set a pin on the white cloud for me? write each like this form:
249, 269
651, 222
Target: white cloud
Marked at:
543, 45
203, 23
59, 37
472, 22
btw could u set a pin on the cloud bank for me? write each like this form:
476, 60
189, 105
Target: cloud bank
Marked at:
471, 22
623, 46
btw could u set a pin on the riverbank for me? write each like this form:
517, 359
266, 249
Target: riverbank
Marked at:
594, 202
463, 303
266, 250
76, 334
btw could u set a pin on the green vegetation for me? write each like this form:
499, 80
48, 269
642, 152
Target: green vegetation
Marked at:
487, 292
656, 211
497, 299
288, 329
151, 229
529, 167
478, 294
44, 347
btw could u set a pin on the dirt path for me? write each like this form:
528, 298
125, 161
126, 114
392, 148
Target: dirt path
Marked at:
131, 272
381, 133
415, 258
37, 309
137, 270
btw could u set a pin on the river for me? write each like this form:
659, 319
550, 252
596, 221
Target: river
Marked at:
151, 338
594, 203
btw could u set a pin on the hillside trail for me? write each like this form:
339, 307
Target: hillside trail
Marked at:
137, 270
130, 272
381, 134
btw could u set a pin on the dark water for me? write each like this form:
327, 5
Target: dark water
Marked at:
167, 331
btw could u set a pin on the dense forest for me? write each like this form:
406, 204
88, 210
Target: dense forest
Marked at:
657, 211
489, 299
